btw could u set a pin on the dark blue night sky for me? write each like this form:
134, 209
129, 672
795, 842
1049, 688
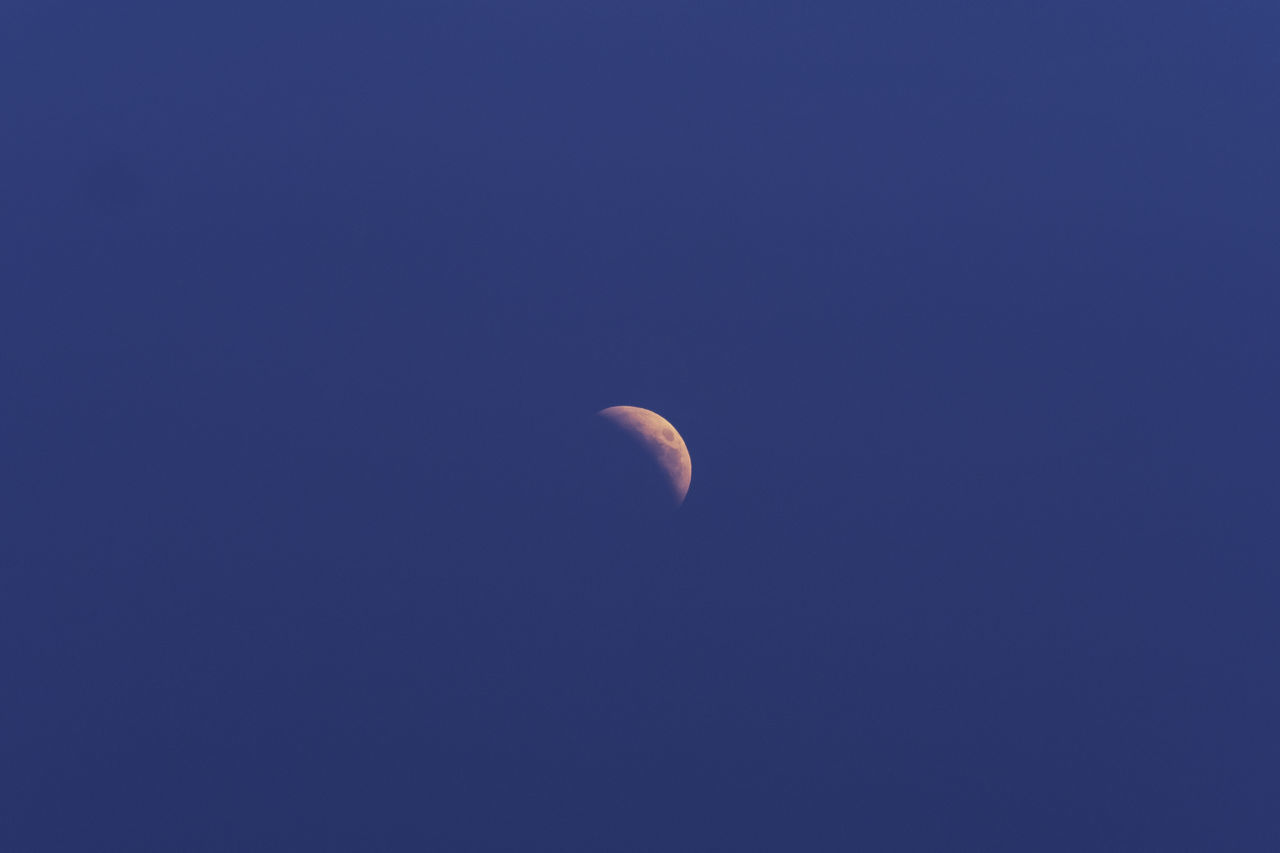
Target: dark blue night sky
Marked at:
967, 312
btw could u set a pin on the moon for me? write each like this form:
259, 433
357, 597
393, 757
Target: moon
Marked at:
660, 440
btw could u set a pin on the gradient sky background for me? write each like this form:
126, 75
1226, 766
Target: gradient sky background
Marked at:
967, 312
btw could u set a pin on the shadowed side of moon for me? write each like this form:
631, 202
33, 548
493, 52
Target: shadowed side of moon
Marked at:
659, 441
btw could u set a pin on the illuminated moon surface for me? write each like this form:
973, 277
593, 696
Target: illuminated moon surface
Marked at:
660, 440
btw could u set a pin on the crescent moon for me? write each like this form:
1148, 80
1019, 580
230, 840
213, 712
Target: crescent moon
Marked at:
660, 439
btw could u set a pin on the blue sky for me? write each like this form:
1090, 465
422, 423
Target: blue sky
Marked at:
965, 313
